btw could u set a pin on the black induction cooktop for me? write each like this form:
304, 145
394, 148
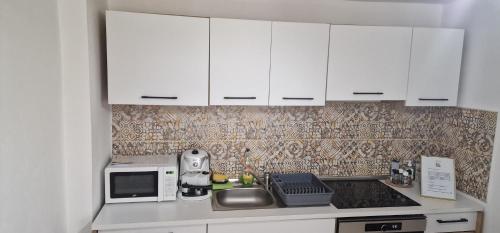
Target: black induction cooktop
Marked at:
349, 194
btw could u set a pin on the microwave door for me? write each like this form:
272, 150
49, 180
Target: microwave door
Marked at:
134, 185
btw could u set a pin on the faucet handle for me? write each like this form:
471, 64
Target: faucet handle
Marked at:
267, 180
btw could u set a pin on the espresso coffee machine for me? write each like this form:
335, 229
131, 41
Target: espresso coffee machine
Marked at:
194, 175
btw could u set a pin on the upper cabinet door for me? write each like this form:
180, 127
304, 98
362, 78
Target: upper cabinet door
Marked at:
157, 59
368, 63
240, 53
299, 55
436, 57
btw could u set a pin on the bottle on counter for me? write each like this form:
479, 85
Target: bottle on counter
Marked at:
406, 178
247, 177
394, 167
412, 169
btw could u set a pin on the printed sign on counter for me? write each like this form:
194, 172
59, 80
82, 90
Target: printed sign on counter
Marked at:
438, 177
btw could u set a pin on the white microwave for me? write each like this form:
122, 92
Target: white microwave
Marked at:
141, 179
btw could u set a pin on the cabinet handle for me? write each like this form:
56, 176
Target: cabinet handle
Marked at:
159, 97
433, 99
367, 93
239, 98
452, 221
298, 98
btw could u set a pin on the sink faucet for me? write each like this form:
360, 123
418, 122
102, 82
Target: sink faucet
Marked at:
267, 181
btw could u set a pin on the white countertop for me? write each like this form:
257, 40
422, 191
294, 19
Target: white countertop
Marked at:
178, 213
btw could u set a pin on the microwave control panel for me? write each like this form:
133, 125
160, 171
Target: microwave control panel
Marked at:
169, 183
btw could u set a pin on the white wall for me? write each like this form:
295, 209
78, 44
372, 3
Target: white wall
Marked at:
480, 68
480, 78
492, 213
77, 140
326, 11
100, 109
31, 157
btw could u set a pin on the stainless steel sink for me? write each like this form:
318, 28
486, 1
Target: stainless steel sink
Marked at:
243, 198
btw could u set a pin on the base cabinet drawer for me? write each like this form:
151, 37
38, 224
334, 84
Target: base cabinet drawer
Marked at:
180, 229
455, 222
290, 226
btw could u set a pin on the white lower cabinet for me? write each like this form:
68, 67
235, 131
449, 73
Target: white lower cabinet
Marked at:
179, 229
289, 226
436, 223
455, 222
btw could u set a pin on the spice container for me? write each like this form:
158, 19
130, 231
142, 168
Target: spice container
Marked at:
401, 176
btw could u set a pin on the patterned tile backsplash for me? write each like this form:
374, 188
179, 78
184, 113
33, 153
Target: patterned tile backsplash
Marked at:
340, 139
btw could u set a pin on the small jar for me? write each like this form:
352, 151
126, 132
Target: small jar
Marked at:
407, 179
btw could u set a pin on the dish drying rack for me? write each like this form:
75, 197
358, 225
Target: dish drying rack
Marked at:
301, 189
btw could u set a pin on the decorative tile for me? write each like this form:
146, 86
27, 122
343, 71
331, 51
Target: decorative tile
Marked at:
340, 139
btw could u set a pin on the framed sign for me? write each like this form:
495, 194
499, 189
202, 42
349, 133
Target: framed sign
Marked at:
438, 178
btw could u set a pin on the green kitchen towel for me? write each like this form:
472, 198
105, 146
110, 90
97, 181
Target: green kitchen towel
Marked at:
227, 185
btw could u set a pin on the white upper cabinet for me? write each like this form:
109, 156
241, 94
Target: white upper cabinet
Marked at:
157, 59
368, 63
299, 57
436, 57
240, 53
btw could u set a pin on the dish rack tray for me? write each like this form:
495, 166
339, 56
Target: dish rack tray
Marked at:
301, 189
